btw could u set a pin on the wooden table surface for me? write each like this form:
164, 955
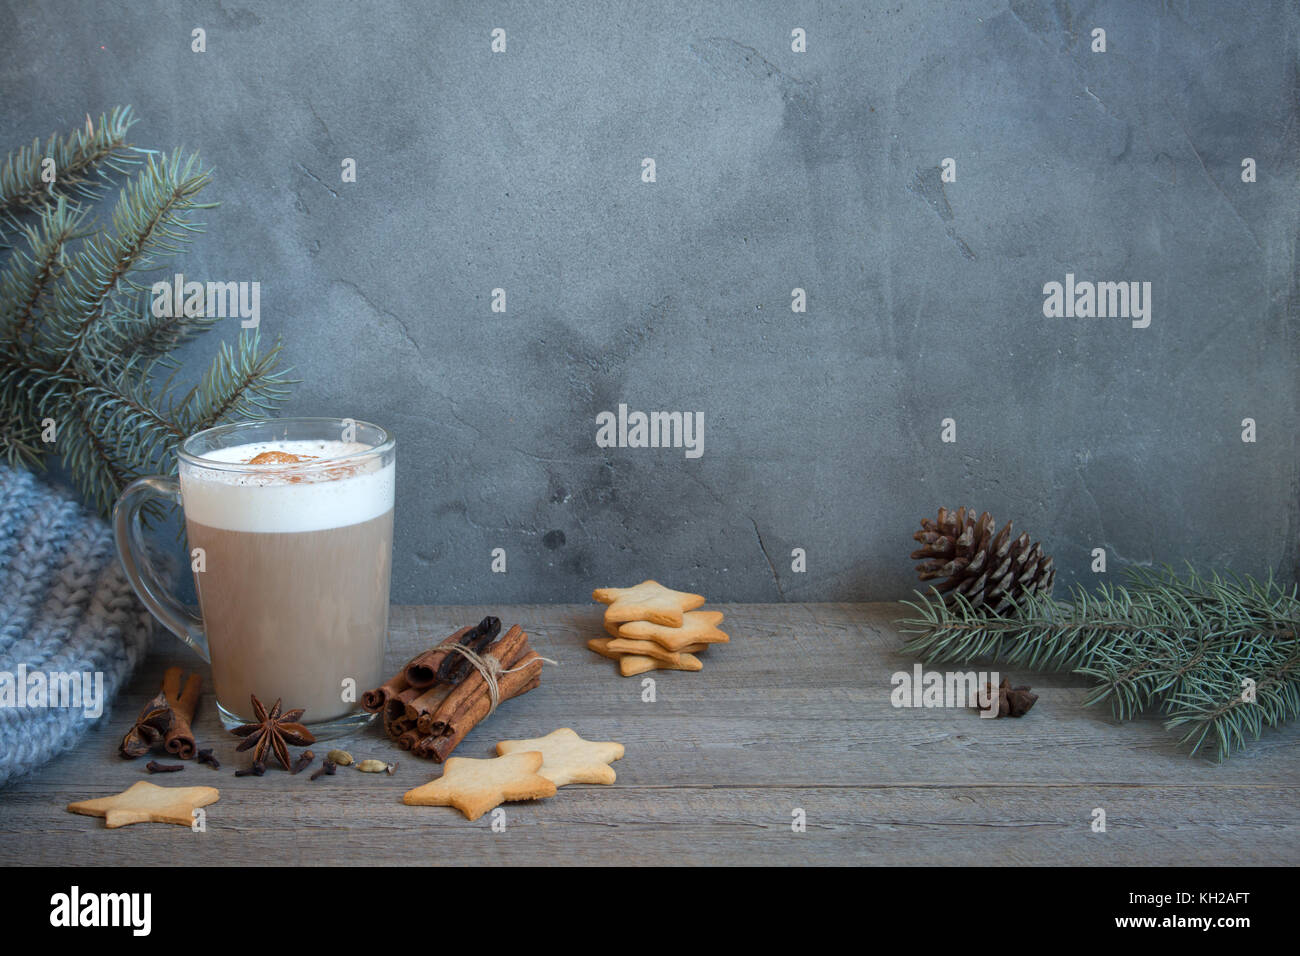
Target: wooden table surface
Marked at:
793, 713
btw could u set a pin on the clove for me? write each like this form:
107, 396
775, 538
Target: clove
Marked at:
256, 770
326, 769
153, 766
303, 762
209, 758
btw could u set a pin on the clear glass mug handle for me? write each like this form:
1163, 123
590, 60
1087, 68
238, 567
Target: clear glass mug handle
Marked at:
175, 616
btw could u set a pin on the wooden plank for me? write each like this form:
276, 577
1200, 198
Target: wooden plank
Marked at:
794, 711
364, 822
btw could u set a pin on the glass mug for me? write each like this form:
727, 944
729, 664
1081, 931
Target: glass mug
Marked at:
291, 561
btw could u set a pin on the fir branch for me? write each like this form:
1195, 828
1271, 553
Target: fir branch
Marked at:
79, 344
84, 160
151, 219
122, 403
97, 472
20, 430
1181, 644
1216, 709
130, 331
240, 383
29, 273
1036, 632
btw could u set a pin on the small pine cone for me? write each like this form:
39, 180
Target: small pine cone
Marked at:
990, 571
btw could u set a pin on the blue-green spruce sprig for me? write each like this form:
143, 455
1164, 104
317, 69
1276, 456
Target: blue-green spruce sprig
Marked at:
80, 346
1190, 647
83, 164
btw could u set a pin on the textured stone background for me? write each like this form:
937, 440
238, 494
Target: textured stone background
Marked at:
775, 170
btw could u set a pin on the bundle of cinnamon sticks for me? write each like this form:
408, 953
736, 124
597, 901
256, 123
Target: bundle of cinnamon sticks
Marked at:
440, 695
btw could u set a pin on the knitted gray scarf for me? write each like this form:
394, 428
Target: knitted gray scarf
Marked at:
65, 608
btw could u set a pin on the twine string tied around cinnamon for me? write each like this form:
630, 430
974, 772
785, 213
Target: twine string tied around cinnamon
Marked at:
491, 668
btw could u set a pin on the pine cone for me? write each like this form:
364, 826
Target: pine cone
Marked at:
990, 571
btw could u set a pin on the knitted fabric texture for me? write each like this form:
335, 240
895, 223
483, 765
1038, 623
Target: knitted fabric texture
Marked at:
65, 607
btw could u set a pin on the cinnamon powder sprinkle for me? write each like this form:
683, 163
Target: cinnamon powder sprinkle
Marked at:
278, 458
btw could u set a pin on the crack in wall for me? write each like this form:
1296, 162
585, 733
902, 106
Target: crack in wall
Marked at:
927, 184
771, 567
318, 179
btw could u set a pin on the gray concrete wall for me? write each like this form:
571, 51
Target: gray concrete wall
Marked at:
775, 169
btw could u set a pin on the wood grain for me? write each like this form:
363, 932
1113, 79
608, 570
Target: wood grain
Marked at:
793, 714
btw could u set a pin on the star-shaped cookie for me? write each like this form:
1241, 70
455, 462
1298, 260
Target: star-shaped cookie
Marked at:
698, 627
629, 665
144, 802
648, 601
567, 758
628, 645
476, 786
615, 647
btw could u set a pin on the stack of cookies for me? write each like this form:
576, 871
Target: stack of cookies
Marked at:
652, 627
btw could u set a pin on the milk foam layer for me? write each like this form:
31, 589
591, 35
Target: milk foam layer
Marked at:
287, 498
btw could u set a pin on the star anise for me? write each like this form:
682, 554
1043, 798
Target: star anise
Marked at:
1012, 701
150, 727
272, 732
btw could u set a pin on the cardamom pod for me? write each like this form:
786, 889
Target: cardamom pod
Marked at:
375, 766
340, 757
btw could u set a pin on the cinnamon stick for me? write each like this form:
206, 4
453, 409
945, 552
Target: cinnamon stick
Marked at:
436, 665
450, 727
427, 702
180, 738
395, 709
394, 714
507, 650
439, 696
408, 739
476, 698
375, 700
438, 747
421, 671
